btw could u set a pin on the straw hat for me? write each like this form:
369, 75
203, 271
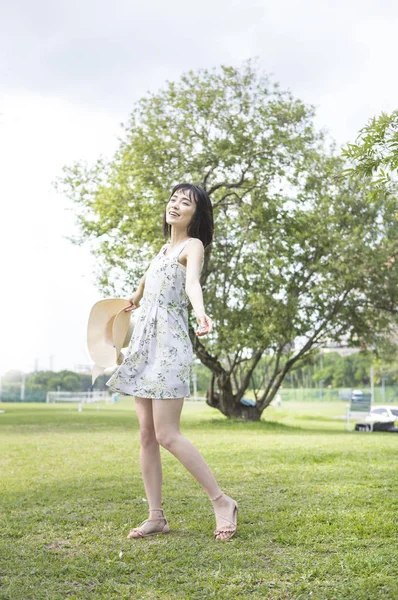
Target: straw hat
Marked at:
109, 330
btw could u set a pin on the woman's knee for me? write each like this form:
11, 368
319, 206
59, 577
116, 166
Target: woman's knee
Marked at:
147, 436
166, 437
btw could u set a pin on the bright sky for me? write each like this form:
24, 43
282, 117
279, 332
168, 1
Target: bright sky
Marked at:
70, 73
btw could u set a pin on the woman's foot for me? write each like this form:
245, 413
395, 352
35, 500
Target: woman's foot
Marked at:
226, 511
155, 524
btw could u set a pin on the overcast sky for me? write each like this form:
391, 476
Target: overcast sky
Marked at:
69, 75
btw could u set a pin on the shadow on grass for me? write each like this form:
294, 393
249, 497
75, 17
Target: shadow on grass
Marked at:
272, 426
87, 425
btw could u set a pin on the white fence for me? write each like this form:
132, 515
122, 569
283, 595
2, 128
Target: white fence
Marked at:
81, 397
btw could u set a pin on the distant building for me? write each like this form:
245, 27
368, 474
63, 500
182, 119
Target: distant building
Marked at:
341, 348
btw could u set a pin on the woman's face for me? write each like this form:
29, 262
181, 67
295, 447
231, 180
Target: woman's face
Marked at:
184, 208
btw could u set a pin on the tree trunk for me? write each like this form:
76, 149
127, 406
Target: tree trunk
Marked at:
227, 402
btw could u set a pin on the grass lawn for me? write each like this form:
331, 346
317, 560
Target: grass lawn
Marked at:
317, 507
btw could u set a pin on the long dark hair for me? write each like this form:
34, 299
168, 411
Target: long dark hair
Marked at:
202, 224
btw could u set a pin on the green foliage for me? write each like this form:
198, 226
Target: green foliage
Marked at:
375, 153
338, 371
69, 381
347, 371
37, 384
300, 253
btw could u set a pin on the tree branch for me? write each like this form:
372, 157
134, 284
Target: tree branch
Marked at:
274, 374
230, 186
246, 378
231, 368
307, 346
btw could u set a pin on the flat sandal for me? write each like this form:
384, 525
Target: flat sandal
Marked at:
229, 530
141, 534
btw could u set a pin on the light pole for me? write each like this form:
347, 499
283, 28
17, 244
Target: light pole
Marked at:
372, 384
22, 395
383, 389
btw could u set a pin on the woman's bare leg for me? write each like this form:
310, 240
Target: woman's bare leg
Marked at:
166, 418
151, 465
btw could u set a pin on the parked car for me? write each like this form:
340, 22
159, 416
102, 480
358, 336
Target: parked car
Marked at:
383, 414
357, 396
380, 418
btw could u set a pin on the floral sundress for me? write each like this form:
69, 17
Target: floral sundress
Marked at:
159, 358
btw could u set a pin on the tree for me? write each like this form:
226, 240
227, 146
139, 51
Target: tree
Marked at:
345, 371
298, 256
375, 153
65, 380
374, 159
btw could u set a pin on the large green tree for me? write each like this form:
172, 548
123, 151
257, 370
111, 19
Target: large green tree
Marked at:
298, 256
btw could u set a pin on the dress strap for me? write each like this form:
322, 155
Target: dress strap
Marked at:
178, 249
182, 246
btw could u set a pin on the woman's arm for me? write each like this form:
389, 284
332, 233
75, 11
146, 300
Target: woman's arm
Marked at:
136, 296
140, 289
195, 255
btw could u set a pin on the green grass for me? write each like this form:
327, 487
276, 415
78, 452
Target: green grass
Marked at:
317, 507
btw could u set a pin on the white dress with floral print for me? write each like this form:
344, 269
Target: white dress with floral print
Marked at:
158, 362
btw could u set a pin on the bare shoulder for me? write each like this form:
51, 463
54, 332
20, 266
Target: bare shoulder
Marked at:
196, 243
195, 248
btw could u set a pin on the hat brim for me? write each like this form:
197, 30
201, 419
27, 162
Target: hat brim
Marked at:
107, 327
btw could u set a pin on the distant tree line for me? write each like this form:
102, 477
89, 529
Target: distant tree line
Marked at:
38, 383
340, 371
331, 368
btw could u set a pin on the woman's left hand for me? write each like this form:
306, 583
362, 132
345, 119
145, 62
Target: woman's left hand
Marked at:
205, 325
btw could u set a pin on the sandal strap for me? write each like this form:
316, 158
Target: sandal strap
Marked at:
148, 521
140, 525
226, 519
217, 497
223, 530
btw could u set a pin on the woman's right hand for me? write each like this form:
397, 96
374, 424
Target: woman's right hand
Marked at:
134, 302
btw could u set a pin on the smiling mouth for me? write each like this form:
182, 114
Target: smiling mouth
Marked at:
173, 214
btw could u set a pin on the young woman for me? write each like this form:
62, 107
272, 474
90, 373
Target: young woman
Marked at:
158, 364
